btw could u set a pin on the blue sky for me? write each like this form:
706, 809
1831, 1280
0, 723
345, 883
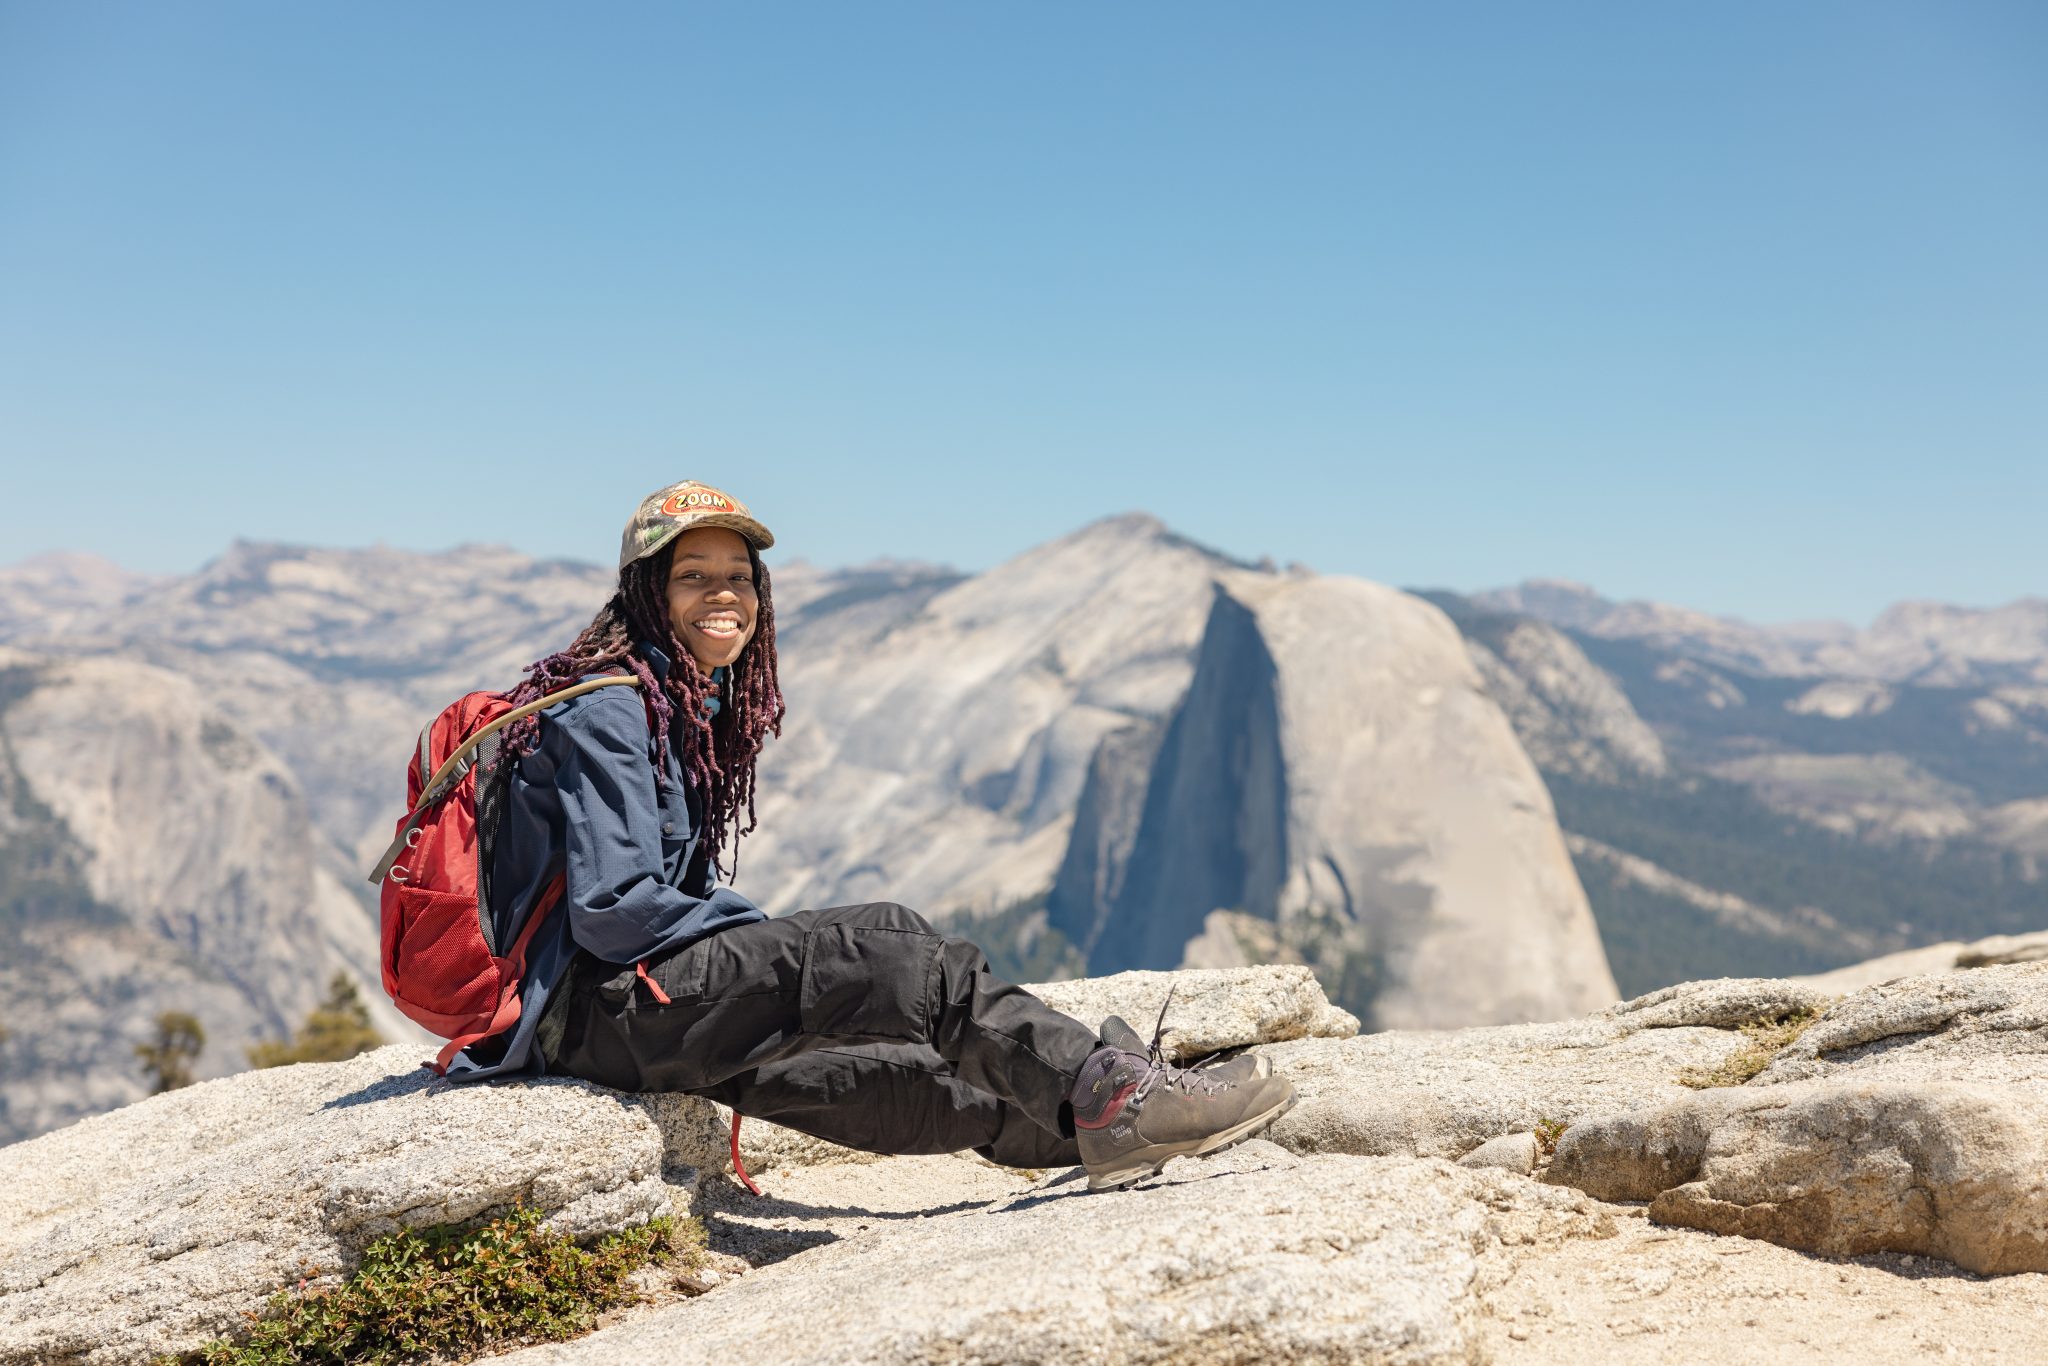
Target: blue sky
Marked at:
1740, 306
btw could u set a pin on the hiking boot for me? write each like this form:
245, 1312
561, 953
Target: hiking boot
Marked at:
1134, 1113
1242, 1068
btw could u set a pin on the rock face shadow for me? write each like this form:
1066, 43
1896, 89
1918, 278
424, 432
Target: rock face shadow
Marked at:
388, 1088
1211, 828
765, 1229
757, 1246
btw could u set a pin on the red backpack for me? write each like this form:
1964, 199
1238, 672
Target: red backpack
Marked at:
443, 960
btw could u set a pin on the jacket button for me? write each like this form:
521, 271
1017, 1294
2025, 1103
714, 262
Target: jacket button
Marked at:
668, 827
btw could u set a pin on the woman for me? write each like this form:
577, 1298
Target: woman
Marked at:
859, 1024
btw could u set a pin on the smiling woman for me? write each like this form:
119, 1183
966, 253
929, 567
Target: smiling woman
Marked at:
712, 595
859, 1024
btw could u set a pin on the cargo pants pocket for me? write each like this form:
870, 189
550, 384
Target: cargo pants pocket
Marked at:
679, 976
868, 981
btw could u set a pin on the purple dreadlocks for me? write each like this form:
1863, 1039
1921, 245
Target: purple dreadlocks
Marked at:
717, 753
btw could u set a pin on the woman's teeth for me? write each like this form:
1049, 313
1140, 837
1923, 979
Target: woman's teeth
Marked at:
718, 626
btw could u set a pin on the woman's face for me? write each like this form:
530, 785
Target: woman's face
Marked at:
712, 602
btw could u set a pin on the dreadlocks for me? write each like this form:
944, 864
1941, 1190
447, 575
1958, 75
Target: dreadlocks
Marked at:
717, 753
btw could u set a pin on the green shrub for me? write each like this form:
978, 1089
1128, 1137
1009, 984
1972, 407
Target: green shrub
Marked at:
451, 1294
167, 1059
338, 1029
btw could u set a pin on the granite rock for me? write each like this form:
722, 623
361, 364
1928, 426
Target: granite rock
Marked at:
1515, 1153
1841, 1168
1442, 1094
1213, 1009
1989, 1024
155, 1227
1252, 1255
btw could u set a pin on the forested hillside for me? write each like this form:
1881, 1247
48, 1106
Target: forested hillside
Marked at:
1729, 820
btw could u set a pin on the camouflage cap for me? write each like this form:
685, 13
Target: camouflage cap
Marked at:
667, 513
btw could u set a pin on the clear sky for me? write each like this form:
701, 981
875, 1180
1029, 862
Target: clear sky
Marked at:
1741, 306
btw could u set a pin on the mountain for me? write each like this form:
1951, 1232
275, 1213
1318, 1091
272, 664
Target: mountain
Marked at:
59, 593
153, 857
1735, 806
1928, 643
1120, 749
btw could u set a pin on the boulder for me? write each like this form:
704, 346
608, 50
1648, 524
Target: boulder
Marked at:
155, 1227
1720, 1003
1909, 1117
1842, 1168
1989, 1024
1212, 1009
1444, 1094
1515, 1153
1642, 1153
696, 1137
1655, 1293
1252, 1255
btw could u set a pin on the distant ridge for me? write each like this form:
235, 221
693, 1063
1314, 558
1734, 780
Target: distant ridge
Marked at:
1909, 642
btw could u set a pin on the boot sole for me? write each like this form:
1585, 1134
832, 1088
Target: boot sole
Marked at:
1150, 1161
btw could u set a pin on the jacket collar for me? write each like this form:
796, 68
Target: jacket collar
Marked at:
657, 659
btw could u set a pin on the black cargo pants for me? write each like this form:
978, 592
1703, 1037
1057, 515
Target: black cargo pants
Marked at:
861, 1025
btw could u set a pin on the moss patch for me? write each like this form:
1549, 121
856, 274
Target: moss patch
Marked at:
1766, 1038
452, 1294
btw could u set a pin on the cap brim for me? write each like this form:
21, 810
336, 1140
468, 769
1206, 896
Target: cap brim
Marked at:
757, 535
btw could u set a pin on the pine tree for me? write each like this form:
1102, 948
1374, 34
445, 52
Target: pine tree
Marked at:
168, 1058
339, 1027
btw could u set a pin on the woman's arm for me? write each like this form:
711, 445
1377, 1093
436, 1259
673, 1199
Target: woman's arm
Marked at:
620, 903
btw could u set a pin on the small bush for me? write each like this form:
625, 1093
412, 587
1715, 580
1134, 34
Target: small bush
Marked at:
167, 1059
453, 1294
338, 1029
1548, 1131
1766, 1038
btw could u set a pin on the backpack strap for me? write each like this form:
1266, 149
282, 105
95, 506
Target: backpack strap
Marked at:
451, 770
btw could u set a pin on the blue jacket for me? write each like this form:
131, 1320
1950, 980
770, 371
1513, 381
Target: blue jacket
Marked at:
637, 879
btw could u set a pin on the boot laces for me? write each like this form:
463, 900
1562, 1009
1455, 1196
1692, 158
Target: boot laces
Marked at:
1189, 1079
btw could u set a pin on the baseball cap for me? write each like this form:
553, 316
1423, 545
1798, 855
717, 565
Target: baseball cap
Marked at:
667, 513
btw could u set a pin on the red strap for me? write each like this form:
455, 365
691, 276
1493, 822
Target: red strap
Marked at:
506, 1017
640, 968
739, 1167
